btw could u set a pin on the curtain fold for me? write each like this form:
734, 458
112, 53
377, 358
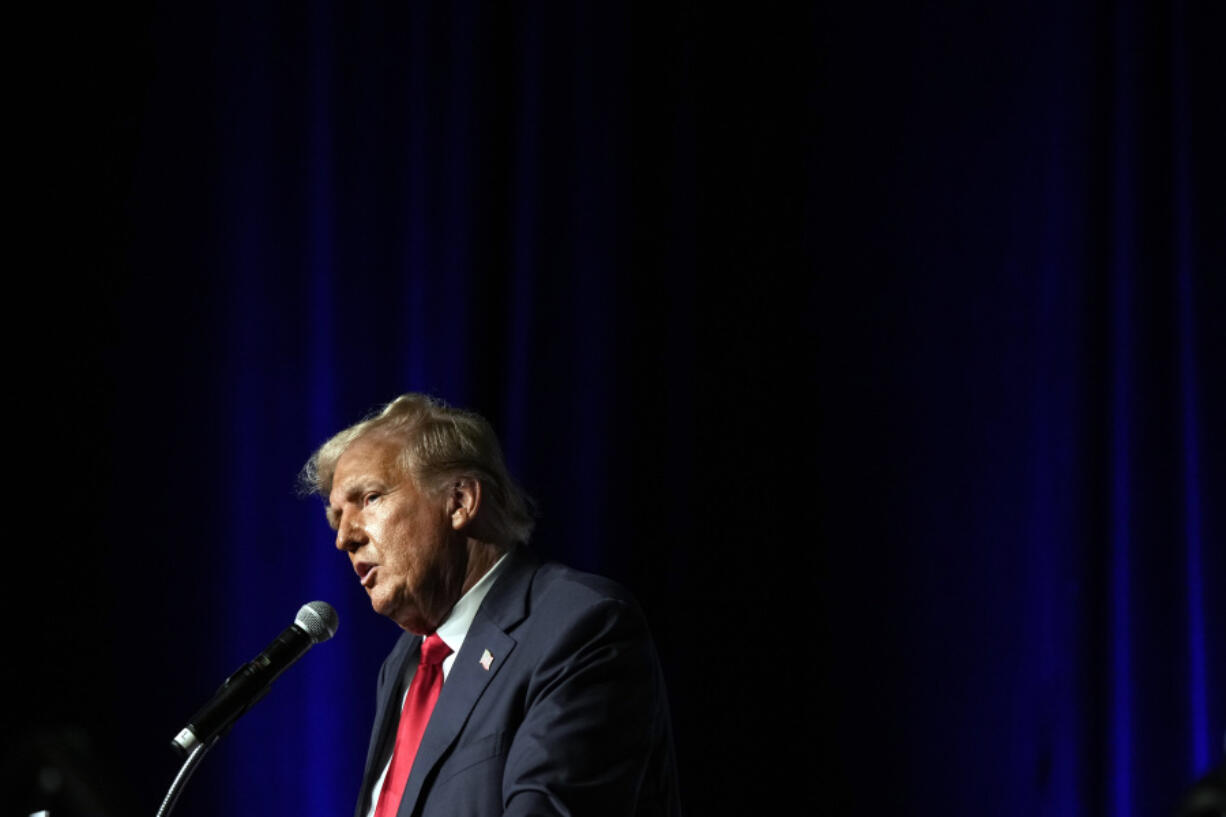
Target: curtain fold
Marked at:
881, 343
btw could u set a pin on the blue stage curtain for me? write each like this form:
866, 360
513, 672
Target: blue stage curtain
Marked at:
878, 350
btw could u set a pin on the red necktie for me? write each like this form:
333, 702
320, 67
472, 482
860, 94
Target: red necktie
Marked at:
418, 704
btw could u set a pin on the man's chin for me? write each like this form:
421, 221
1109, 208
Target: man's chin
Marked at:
382, 604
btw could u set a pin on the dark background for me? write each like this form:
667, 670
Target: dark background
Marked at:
876, 349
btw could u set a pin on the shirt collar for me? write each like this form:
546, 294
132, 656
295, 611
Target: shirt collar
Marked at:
455, 627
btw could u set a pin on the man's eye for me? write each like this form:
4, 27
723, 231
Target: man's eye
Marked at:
369, 498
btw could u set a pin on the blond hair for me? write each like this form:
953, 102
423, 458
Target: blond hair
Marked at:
439, 444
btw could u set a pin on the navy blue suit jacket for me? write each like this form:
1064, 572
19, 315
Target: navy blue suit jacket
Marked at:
570, 718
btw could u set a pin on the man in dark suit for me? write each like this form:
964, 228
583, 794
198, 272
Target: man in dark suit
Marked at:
519, 687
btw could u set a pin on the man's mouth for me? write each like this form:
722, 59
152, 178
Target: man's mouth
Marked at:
366, 573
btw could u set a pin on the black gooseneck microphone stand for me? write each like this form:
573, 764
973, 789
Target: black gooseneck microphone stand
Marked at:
185, 774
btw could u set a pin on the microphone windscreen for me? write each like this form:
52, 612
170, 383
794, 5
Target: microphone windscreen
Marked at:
318, 619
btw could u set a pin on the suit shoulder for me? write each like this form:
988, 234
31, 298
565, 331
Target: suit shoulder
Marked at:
557, 583
546, 597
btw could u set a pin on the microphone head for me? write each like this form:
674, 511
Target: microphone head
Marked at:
318, 619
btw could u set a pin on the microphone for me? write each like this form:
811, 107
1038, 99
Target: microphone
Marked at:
315, 622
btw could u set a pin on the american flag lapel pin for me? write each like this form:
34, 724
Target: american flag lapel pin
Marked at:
487, 658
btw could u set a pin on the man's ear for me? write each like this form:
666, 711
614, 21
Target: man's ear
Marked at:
463, 501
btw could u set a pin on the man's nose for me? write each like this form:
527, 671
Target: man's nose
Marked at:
349, 533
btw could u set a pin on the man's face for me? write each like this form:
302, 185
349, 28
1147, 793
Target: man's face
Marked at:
401, 541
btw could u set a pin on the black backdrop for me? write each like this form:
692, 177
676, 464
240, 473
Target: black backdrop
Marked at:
876, 350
